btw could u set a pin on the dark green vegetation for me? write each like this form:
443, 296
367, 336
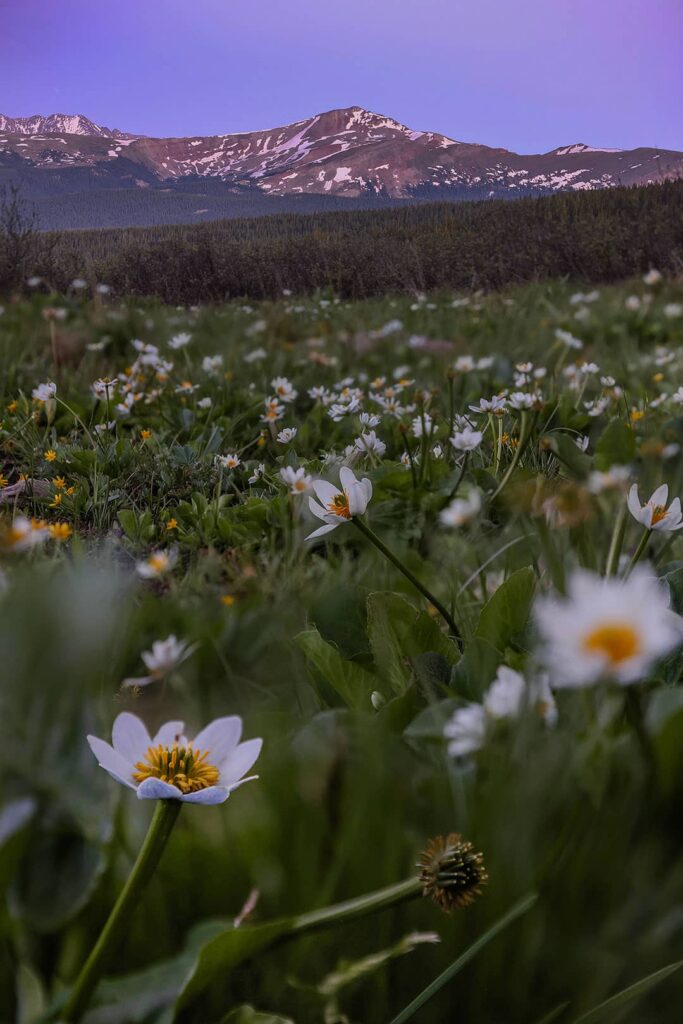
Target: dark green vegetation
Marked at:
590, 236
328, 653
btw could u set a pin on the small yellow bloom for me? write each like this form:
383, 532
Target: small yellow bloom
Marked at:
636, 415
59, 483
261, 441
70, 491
658, 378
50, 455
60, 531
56, 501
228, 600
145, 434
3, 481
172, 524
13, 406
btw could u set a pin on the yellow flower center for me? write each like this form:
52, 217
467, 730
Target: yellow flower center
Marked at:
617, 641
339, 505
658, 513
158, 562
182, 767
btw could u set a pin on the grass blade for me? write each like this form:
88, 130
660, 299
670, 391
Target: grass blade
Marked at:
450, 972
626, 995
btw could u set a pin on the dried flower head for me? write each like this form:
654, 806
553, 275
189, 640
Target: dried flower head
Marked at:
452, 871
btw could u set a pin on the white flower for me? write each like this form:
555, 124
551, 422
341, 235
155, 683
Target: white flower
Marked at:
521, 400
180, 340
466, 440
22, 534
204, 403
158, 564
568, 339
165, 656
466, 730
298, 480
370, 444
104, 387
606, 628
632, 303
103, 289
582, 441
231, 461
257, 474
212, 364
464, 364
495, 405
673, 310
652, 277
422, 425
255, 355
615, 478
79, 284
44, 392
287, 435
505, 696
168, 766
654, 515
336, 506
33, 282
283, 389
461, 510
678, 396
369, 419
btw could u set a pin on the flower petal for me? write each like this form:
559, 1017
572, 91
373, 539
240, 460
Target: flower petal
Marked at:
210, 795
324, 529
130, 737
659, 497
317, 509
633, 502
111, 761
325, 491
240, 761
169, 734
220, 738
155, 789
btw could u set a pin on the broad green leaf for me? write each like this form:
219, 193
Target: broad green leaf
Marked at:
399, 632
129, 523
352, 682
564, 447
505, 615
616, 447
605, 1011
476, 669
428, 725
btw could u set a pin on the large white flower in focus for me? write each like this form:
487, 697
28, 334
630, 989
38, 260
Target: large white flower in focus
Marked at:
337, 505
168, 766
606, 628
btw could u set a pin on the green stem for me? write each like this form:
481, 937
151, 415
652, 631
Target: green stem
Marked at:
524, 436
616, 542
372, 536
461, 474
637, 554
359, 906
160, 829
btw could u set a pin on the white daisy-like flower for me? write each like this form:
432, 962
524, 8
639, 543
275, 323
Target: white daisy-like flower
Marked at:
284, 389
168, 766
44, 392
22, 534
231, 461
613, 479
606, 628
370, 444
461, 510
335, 505
158, 564
205, 403
164, 657
652, 277
179, 341
257, 474
568, 339
287, 435
654, 515
297, 480
677, 396
466, 440
495, 406
212, 364
466, 730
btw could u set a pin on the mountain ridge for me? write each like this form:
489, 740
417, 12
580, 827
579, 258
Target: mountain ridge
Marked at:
347, 152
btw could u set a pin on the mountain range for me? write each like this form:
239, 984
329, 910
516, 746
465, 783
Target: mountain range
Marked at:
69, 163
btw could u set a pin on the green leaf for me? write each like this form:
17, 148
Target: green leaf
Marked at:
616, 447
605, 1011
128, 522
564, 447
505, 615
352, 682
428, 725
476, 669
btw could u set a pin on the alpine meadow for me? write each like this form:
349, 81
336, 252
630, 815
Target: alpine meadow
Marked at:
341, 539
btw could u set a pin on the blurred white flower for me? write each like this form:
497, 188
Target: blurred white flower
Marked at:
165, 656
606, 628
466, 440
461, 510
652, 277
370, 444
22, 534
158, 564
231, 461
179, 341
298, 481
168, 766
287, 435
44, 392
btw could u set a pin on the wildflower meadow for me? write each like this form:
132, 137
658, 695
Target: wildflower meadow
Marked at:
341, 650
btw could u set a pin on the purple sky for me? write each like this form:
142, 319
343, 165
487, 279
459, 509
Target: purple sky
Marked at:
527, 75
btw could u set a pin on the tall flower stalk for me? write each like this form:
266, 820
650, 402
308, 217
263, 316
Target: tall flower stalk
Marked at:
165, 816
